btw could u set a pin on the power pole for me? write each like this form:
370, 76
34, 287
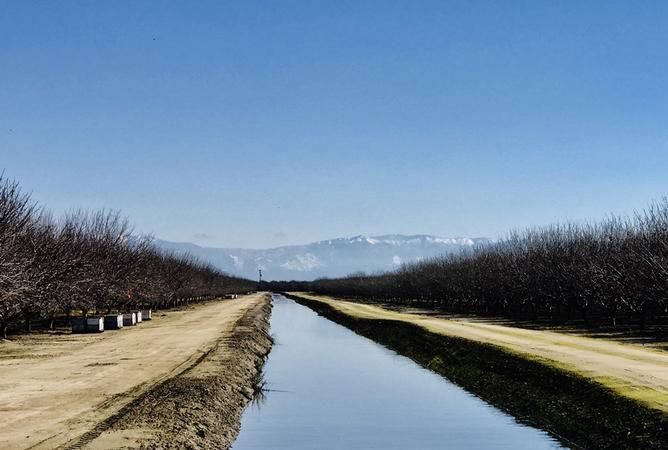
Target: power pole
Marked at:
259, 285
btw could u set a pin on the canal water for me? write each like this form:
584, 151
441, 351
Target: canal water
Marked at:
331, 389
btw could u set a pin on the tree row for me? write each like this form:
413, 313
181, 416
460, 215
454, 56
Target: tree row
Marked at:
609, 271
89, 262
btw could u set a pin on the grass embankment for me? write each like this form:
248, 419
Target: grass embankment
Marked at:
578, 409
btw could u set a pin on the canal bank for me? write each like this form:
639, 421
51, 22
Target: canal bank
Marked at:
64, 390
200, 408
579, 412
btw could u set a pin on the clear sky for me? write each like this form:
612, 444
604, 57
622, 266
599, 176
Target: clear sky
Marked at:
258, 124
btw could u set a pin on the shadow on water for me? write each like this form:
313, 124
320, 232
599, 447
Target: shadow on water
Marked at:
259, 390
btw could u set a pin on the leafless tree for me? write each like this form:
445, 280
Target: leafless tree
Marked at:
89, 262
616, 269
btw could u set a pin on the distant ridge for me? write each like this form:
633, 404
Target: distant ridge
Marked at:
328, 258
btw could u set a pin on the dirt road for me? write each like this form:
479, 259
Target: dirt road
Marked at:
55, 388
629, 369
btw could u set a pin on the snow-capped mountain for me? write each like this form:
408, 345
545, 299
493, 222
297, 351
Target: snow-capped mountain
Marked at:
329, 258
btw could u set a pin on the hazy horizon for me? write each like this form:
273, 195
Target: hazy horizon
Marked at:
297, 244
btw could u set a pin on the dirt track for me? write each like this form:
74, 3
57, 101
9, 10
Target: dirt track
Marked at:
631, 370
53, 389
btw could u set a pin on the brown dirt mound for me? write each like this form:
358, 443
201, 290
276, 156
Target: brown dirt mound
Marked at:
200, 408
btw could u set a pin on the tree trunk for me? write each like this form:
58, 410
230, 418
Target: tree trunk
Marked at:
28, 324
643, 318
3, 329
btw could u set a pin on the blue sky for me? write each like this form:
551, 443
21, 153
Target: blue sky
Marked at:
258, 124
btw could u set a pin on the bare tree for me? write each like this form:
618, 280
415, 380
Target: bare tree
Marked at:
89, 262
615, 270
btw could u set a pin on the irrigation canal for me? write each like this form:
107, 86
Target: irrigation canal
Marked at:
332, 389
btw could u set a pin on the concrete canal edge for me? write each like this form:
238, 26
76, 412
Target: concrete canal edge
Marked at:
577, 411
200, 408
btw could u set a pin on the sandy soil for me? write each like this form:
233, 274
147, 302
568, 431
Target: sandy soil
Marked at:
200, 408
54, 389
631, 370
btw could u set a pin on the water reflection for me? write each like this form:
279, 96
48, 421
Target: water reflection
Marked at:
328, 388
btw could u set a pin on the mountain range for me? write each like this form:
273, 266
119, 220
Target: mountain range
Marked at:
328, 258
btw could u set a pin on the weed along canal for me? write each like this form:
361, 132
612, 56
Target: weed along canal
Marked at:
329, 388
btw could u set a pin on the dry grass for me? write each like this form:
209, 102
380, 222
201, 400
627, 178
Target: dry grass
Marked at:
630, 370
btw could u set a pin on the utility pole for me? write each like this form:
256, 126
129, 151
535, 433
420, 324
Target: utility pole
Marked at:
259, 285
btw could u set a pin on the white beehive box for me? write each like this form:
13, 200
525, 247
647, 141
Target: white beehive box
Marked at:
91, 325
129, 319
113, 322
95, 324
